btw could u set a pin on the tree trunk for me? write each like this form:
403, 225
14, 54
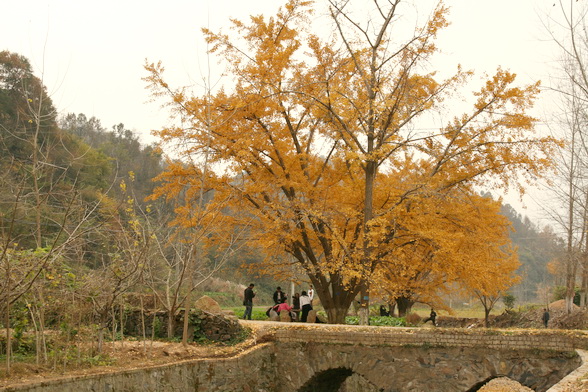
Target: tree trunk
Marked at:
8, 336
113, 330
335, 297
187, 303
370, 177
392, 308
486, 316
171, 323
190, 282
336, 315
570, 283
101, 338
122, 321
404, 306
37, 335
41, 311
364, 306
143, 332
584, 292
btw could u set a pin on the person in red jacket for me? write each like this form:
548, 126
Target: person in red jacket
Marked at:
284, 307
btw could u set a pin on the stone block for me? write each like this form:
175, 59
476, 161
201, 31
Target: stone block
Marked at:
285, 316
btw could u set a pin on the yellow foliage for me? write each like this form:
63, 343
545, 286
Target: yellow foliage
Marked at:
314, 152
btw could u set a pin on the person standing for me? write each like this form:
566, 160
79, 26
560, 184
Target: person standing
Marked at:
305, 306
279, 296
545, 317
296, 305
311, 294
248, 295
296, 301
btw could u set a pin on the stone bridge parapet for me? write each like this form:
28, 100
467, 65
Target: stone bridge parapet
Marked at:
558, 340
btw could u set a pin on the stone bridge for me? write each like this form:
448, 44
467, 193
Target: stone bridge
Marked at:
293, 357
347, 358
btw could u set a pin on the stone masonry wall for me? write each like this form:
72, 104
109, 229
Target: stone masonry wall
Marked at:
488, 338
389, 359
251, 371
417, 369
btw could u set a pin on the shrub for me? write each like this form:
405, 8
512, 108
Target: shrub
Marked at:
509, 301
559, 292
387, 321
413, 319
382, 321
256, 314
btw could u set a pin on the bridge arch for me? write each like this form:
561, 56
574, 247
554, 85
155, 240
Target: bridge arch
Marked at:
337, 380
409, 368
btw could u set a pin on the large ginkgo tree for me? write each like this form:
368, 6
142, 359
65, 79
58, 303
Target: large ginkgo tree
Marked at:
314, 143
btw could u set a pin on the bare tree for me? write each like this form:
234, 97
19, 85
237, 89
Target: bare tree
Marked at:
567, 27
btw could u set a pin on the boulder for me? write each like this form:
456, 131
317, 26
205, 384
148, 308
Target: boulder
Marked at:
208, 304
285, 316
311, 318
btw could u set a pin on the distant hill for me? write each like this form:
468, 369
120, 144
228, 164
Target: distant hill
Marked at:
536, 247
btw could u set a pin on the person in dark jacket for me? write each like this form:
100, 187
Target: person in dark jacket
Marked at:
432, 317
279, 295
296, 305
248, 295
545, 317
383, 311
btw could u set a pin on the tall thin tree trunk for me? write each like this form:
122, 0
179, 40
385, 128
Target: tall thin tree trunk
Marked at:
188, 298
584, 287
370, 176
570, 259
121, 322
37, 337
41, 312
143, 332
8, 334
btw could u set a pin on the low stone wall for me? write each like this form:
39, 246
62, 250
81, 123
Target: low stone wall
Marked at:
557, 340
213, 326
251, 371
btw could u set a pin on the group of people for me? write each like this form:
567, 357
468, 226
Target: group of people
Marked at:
301, 303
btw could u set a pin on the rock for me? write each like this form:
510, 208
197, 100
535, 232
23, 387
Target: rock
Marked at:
311, 318
208, 304
504, 384
285, 316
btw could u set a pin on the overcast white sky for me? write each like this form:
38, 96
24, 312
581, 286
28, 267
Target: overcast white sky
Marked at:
91, 53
